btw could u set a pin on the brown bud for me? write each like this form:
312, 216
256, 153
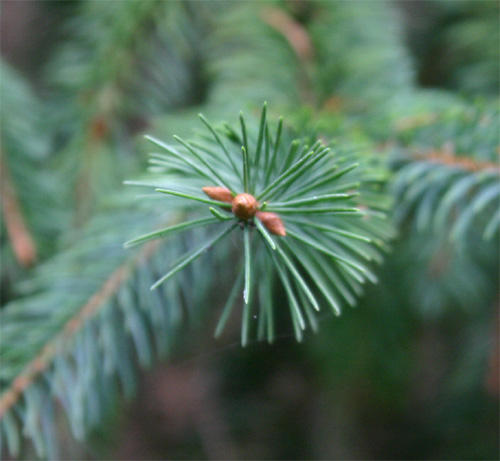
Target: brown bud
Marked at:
219, 193
273, 222
245, 206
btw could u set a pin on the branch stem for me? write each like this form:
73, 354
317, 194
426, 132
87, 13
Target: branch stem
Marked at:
17, 230
42, 361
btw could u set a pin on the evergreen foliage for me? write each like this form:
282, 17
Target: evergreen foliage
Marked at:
451, 180
373, 56
33, 215
95, 336
372, 178
311, 188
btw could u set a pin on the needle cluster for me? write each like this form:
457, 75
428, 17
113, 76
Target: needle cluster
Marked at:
297, 207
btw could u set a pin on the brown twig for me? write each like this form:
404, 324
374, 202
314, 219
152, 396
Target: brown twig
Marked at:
300, 42
44, 358
294, 32
19, 236
445, 157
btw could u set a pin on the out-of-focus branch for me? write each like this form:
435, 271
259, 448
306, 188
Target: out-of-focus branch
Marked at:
44, 358
299, 41
296, 35
447, 158
17, 230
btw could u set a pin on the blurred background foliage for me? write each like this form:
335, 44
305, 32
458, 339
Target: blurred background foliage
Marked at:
410, 373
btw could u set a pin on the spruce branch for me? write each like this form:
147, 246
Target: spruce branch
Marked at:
78, 347
100, 74
255, 70
32, 371
31, 208
443, 184
343, 233
355, 61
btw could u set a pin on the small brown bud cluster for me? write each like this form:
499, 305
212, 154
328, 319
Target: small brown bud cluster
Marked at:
219, 193
273, 222
245, 207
